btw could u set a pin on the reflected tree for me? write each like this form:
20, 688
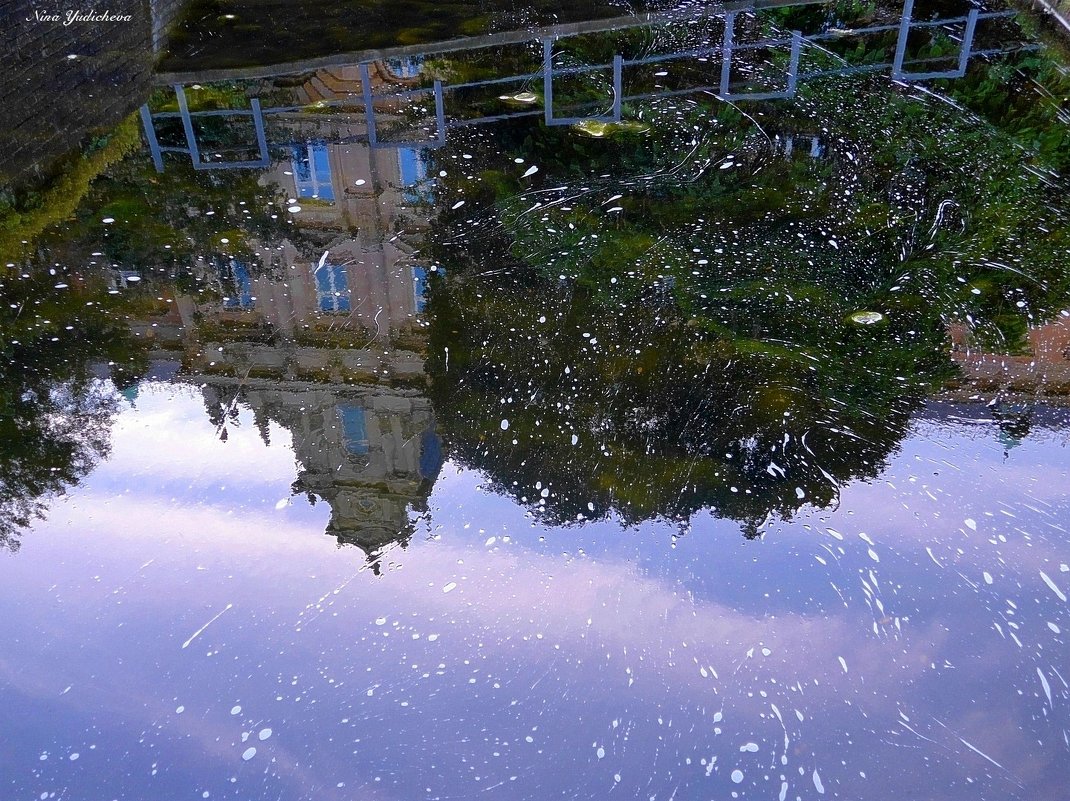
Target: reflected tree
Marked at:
695, 318
56, 406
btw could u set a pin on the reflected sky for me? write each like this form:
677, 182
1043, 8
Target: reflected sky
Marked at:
188, 631
623, 410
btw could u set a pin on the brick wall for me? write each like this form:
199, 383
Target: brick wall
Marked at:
59, 83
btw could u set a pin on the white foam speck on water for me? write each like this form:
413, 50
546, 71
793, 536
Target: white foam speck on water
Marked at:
843, 663
834, 533
988, 577
1044, 684
1054, 627
235, 710
432, 637
601, 752
380, 621
783, 791
505, 425
293, 209
282, 503
180, 710
458, 204
450, 587
737, 776
530, 171
200, 631
971, 524
73, 757
1064, 568
751, 748
264, 734
817, 783
250, 752
1053, 586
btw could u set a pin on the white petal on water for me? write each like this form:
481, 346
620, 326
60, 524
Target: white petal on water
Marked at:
737, 776
458, 204
264, 734
531, 171
450, 587
834, 533
250, 752
1054, 627
750, 748
281, 504
505, 425
1053, 586
293, 209
817, 783
235, 710
843, 663
971, 523
601, 752
988, 577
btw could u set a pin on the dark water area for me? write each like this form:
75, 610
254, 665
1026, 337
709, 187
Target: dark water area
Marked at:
673, 407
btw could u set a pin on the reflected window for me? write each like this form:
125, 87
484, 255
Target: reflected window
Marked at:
332, 290
406, 66
312, 172
354, 429
419, 288
237, 285
413, 167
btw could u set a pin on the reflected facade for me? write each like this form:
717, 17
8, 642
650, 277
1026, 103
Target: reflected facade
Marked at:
682, 395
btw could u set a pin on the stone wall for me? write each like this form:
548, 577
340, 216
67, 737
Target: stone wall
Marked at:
61, 83
164, 13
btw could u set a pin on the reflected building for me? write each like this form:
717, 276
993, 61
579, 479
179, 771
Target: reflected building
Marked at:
323, 333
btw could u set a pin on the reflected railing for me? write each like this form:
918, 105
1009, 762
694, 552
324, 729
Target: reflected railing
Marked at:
731, 49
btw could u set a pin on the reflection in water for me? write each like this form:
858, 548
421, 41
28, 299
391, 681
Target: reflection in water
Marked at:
533, 308
55, 408
321, 331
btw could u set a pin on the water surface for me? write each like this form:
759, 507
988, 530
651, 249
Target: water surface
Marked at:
688, 423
